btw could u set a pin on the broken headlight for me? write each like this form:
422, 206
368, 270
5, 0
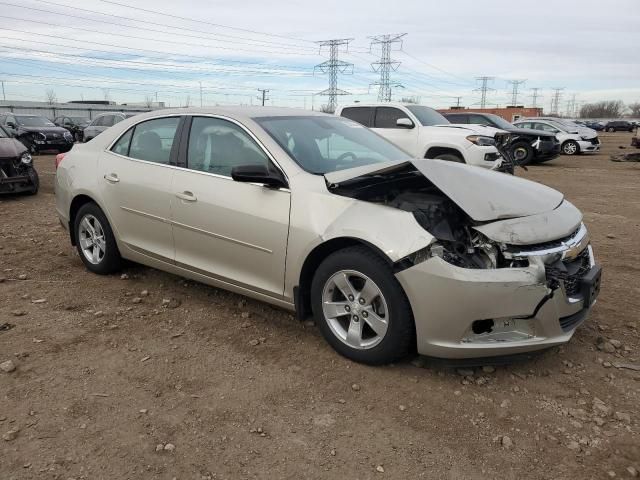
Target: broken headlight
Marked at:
26, 158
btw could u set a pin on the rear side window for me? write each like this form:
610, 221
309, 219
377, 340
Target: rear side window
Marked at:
152, 140
457, 118
386, 117
121, 147
108, 120
362, 115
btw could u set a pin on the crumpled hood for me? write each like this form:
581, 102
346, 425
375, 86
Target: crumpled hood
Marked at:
11, 148
482, 194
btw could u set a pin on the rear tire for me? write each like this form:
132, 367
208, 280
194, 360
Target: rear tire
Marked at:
95, 241
378, 312
450, 157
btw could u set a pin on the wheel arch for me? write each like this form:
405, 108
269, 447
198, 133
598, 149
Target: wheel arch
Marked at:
570, 140
433, 152
77, 203
302, 291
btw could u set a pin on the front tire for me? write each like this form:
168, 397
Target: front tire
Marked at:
522, 153
570, 148
95, 241
35, 182
360, 307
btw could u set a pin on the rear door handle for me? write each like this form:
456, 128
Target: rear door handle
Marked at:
111, 178
187, 196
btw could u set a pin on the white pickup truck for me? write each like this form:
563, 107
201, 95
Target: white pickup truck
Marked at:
424, 133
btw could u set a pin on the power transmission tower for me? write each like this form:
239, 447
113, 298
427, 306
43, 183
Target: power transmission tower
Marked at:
4, 97
458, 101
333, 66
386, 64
484, 88
515, 86
555, 101
535, 96
263, 95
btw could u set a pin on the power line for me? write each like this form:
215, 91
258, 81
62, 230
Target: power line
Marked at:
535, 96
386, 64
333, 66
515, 86
484, 88
263, 95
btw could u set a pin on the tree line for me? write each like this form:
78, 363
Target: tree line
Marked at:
609, 109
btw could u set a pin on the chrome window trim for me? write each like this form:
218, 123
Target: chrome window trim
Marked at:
209, 115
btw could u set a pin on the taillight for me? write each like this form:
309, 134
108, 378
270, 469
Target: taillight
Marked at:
59, 159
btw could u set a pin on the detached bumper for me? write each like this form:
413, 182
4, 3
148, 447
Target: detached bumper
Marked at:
17, 184
467, 313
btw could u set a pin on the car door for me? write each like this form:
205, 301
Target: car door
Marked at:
135, 186
231, 231
385, 124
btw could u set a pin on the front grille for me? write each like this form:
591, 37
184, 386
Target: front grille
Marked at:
569, 273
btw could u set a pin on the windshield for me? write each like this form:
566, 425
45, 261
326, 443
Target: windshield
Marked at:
34, 121
427, 116
499, 121
79, 119
327, 144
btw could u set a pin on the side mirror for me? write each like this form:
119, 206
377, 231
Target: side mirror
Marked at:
258, 174
404, 123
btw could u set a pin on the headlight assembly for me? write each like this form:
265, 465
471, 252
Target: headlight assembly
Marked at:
68, 136
482, 140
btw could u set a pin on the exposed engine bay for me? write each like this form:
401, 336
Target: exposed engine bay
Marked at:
407, 189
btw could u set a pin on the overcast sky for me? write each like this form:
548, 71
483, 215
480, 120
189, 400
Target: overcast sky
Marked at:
97, 48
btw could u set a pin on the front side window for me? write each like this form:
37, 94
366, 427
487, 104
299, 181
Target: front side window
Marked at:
321, 144
108, 121
362, 115
152, 140
216, 146
386, 117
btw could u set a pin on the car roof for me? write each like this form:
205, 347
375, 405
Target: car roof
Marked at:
237, 112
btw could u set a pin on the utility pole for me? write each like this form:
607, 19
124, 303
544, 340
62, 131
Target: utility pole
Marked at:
484, 88
263, 95
535, 95
333, 66
515, 86
458, 101
4, 97
200, 93
386, 64
555, 101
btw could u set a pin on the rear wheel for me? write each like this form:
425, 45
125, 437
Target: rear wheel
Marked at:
450, 157
611, 129
360, 307
570, 148
95, 241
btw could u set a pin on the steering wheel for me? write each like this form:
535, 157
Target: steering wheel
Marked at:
345, 155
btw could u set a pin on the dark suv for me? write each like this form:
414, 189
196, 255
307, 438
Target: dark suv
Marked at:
619, 126
529, 146
75, 125
36, 132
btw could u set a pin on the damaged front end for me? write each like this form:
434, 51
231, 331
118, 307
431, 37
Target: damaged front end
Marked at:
510, 268
17, 174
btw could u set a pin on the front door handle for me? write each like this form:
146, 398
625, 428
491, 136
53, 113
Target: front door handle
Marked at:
111, 178
187, 196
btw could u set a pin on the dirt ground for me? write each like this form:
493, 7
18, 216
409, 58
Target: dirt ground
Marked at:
112, 384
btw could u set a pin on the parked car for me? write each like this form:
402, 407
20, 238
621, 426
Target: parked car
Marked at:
635, 141
567, 125
75, 125
619, 126
319, 215
595, 125
17, 173
36, 132
528, 146
425, 133
571, 142
102, 122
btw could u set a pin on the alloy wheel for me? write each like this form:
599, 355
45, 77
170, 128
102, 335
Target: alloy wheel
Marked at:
570, 148
355, 309
92, 239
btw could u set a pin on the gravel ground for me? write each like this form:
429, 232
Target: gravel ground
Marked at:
106, 380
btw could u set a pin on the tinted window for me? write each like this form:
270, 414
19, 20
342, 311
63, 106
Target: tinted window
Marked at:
457, 118
321, 144
152, 140
478, 120
362, 115
216, 146
386, 117
427, 116
121, 147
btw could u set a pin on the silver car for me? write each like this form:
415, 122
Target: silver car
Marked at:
101, 123
319, 215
